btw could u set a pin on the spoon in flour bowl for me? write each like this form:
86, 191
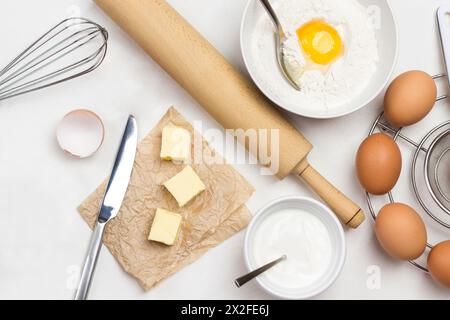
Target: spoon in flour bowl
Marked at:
288, 70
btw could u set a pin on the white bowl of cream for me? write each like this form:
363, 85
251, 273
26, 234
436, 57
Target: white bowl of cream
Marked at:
309, 234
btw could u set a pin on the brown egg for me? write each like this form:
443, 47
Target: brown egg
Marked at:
401, 231
409, 98
439, 263
378, 163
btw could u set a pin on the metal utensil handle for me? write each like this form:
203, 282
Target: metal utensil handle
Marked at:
443, 17
268, 7
91, 261
244, 279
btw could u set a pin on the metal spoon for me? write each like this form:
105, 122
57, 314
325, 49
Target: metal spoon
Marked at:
250, 276
280, 37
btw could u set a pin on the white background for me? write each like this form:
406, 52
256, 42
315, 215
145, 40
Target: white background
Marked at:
43, 239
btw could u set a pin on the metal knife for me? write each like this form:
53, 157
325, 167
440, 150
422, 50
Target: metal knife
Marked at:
112, 201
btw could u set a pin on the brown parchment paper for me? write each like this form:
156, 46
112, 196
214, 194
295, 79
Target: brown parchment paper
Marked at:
209, 219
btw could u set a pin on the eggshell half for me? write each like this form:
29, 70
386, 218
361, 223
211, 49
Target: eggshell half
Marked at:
439, 263
401, 231
80, 133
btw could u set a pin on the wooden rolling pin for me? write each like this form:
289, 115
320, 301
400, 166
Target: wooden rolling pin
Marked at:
222, 90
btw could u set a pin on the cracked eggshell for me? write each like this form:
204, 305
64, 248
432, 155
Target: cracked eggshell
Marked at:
80, 133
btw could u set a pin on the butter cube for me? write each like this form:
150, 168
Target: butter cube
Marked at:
165, 227
185, 185
175, 144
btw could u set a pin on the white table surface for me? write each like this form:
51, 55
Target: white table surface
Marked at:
43, 240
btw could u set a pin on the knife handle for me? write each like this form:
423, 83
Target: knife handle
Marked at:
91, 261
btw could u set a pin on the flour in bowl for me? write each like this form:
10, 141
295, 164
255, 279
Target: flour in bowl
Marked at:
331, 45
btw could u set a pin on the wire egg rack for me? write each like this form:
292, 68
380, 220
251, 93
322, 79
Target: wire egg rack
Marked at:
433, 152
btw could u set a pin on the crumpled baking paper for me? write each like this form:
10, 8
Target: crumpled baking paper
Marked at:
209, 219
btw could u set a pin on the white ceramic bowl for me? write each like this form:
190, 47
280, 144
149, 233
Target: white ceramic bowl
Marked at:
387, 39
337, 239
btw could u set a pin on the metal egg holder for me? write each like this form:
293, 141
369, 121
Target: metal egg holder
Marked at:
435, 145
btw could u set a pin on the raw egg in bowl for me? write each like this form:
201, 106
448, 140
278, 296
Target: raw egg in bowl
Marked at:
320, 42
341, 54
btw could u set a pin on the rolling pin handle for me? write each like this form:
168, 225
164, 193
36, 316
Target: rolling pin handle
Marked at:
345, 209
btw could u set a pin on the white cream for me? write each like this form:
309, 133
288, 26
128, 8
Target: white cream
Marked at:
299, 235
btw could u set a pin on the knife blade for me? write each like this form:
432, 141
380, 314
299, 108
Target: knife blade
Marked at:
112, 201
120, 174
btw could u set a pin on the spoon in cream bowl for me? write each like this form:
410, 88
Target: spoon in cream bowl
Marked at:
280, 37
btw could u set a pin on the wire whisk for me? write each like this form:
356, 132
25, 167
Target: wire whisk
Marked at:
72, 48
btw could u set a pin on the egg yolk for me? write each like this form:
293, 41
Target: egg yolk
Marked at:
320, 42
